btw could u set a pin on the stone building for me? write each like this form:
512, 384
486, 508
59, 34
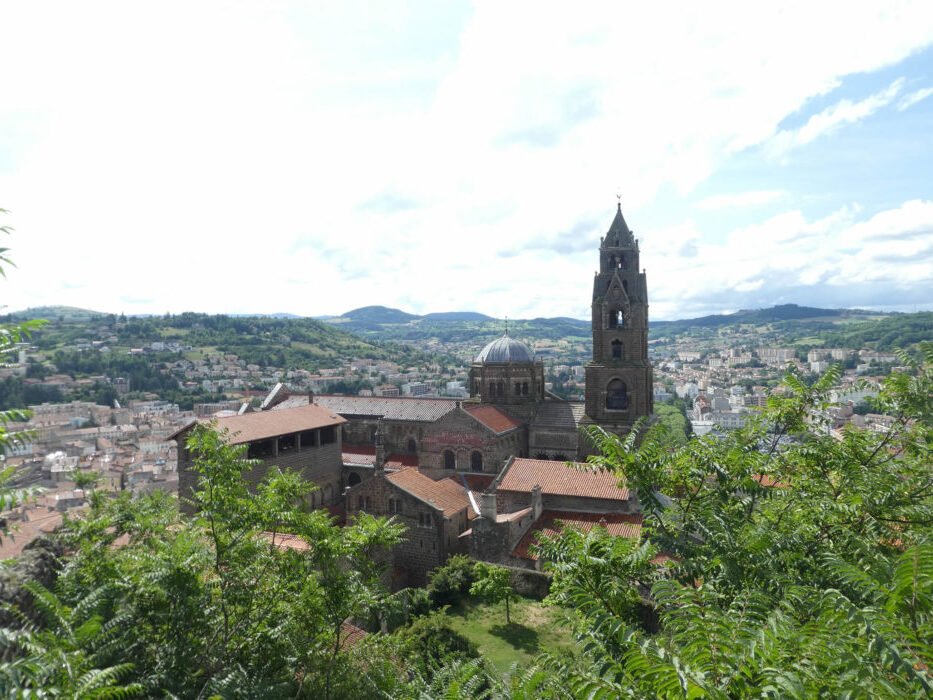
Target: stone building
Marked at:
306, 439
425, 461
435, 513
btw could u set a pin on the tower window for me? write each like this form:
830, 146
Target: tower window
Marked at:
616, 395
500, 389
450, 461
524, 388
518, 388
617, 349
412, 446
621, 262
492, 389
612, 262
476, 461
616, 319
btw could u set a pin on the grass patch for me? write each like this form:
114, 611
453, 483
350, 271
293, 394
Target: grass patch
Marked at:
535, 628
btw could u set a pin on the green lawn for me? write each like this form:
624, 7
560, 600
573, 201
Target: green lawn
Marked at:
535, 628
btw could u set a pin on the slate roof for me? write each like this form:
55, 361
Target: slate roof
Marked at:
564, 415
559, 479
445, 494
552, 522
496, 420
267, 424
395, 408
505, 349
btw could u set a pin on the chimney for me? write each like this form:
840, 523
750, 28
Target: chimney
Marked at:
379, 464
537, 505
310, 396
487, 505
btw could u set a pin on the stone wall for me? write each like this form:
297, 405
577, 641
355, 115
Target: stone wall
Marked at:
462, 434
423, 547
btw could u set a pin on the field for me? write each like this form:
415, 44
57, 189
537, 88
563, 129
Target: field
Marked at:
535, 628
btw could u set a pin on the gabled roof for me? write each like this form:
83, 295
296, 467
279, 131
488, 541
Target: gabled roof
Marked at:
445, 495
552, 522
496, 420
561, 479
389, 408
268, 424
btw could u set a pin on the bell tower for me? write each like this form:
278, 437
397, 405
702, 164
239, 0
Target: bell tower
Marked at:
619, 381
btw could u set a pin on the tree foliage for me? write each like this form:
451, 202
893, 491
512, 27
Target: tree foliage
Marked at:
215, 605
800, 563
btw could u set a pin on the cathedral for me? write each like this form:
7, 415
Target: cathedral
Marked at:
485, 475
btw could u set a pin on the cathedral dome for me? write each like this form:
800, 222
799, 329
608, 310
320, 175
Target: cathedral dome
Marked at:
505, 349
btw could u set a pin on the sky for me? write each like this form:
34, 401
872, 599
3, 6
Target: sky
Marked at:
311, 158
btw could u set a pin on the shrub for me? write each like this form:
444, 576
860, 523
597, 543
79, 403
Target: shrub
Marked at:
451, 582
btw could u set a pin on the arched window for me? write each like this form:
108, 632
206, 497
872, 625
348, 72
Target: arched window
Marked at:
616, 395
500, 389
492, 389
524, 388
476, 461
616, 320
353, 479
450, 460
621, 262
412, 446
518, 389
616, 349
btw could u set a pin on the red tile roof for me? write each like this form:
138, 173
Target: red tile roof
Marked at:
561, 479
350, 635
496, 420
366, 455
267, 424
552, 522
446, 494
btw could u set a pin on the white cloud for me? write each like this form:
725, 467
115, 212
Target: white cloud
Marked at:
226, 156
843, 112
909, 100
731, 200
792, 258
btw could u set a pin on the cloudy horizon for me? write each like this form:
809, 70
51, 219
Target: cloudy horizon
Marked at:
239, 157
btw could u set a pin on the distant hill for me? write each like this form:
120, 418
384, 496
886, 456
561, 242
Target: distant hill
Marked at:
378, 314
782, 312
64, 313
457, 316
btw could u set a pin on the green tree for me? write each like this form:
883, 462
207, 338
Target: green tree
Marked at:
798, 564
493, 583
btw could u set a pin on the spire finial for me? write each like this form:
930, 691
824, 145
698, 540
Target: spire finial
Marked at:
619, 199
506, 326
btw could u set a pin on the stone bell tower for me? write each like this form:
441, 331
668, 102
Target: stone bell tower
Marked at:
619, 381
